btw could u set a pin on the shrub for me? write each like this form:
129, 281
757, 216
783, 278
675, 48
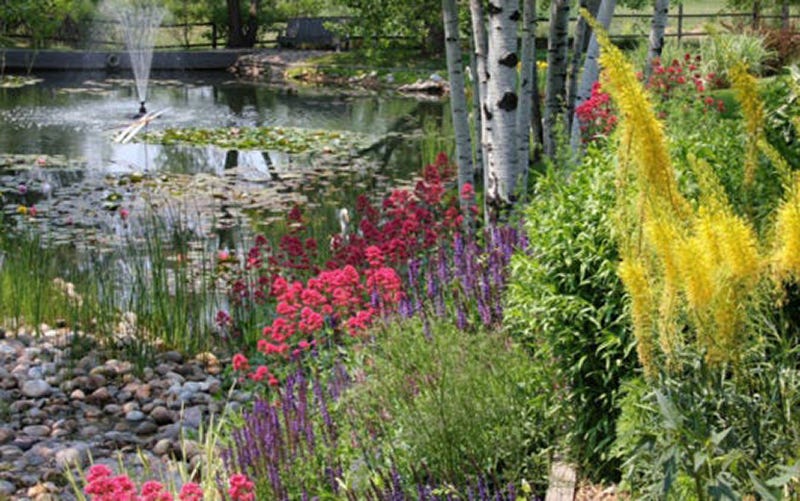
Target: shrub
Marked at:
450, 405
566, 305
721, 51
714, 417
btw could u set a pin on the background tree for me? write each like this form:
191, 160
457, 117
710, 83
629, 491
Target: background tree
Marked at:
376, 18
242, 23
555, 87
458, 98
657, 27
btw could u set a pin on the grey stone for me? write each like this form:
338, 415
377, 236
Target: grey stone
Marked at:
162, 447
6, 489
146, 428
36, 388
161, 415
135, 416
75, 455
37, 430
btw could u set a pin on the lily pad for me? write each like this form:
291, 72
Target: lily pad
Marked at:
285, 139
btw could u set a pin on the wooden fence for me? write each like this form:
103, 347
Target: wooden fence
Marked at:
208, 34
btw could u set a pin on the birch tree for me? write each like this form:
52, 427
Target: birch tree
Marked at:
657, 27
526, 89
501, 104
579, 45
591, 70
480, 47
458, 99
555, 89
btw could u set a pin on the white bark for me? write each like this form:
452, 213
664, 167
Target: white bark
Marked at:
483, 126
555, 90
458, 99
527, 69
579, 43
657, 27
591, 70
501, 103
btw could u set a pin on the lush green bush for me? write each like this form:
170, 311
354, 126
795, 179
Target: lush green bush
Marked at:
567, 306
446, 406
706, 433
721, 51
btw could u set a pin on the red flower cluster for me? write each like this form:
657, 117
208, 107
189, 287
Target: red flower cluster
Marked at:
102, 486
596, 115
241, 488
360, 281
683, 77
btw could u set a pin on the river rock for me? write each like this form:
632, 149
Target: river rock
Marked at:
36, 388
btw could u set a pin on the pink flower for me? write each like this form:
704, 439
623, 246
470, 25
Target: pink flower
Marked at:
123, 213
467, 192
191, 492
241, 488
240, 362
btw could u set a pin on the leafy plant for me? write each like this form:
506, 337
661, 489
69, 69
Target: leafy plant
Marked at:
566, 305
439, 403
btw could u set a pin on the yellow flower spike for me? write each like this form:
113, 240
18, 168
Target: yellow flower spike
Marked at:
786, 257
22, 210
634, 276
648, 143
745, 88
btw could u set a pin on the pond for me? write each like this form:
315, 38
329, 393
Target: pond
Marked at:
57, 151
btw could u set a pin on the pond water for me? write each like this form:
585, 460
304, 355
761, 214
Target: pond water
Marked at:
57, 153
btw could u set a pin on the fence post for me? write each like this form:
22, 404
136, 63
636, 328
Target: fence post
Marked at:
756, 14
785, 14
680, 22
213, 35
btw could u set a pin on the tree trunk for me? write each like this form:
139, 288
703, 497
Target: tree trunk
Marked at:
579, 46
500, 105
591, 70
481, 72
251, 35
235, 38
657, 27
239, 33
458, 99
479, 154
527, 80
555, 90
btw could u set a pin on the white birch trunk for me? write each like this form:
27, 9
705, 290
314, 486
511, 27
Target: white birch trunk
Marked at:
582, 32
555, 90
591, 71
481, 72
458, 99
527, 69
501, 104
657, 27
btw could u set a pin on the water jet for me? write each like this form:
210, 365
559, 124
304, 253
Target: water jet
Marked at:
139, 22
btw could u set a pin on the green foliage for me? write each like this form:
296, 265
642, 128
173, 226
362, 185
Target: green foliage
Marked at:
567, 306
721, 51
781, 97
712, 433
449, 405
288, 139
42, 19
392, 18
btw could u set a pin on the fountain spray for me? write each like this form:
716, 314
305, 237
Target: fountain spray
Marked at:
140, 22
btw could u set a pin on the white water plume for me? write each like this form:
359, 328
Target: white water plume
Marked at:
139, 21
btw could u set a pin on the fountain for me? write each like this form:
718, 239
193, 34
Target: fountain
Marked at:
139, 21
